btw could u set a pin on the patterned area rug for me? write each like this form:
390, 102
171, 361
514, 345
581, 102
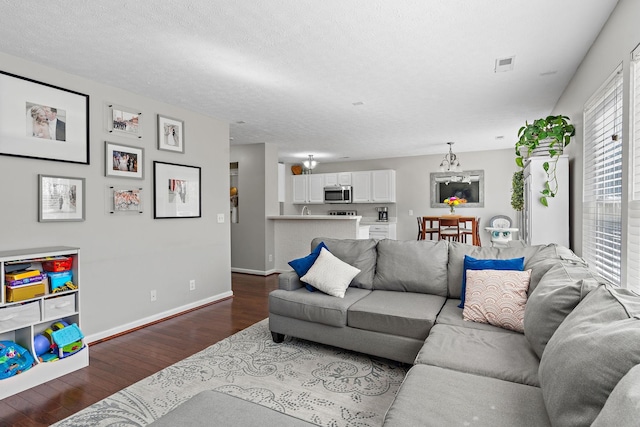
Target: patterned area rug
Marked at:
317, 383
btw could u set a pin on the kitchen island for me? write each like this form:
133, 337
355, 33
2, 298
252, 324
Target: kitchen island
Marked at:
293, 234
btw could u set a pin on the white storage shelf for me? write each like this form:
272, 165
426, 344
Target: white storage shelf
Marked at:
21, 321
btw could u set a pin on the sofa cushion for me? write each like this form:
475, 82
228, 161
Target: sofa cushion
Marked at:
595, 346
434, 396
314, 306
622, 408
534, 254
497, 297
471, 263
558, 293
406, 314
498, 354
302, 265
360, 253
412, 266
451, 314
330, 275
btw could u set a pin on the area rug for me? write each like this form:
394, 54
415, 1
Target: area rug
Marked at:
321, 384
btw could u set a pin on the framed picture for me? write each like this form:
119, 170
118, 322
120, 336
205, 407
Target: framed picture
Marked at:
42, 121
170, 134
60, 198
122, 200
124, 121
176, 191
123, 161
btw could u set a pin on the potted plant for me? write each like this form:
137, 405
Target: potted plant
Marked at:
549, 135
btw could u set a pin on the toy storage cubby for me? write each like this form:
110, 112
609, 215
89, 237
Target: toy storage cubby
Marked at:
21, 321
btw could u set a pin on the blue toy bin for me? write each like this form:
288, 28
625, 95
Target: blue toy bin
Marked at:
58, 279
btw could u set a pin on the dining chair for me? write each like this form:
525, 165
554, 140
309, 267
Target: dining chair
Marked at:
449, 229
470, 230
430, 226
419, 229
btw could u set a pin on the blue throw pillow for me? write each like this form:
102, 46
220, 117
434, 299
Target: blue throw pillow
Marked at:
471, 263
302, 265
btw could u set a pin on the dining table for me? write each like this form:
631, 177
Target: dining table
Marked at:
430, 223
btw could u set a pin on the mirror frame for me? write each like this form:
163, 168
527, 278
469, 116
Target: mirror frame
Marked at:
435, 194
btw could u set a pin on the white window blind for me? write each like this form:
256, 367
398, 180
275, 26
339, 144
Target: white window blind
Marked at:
602, 192
633, 235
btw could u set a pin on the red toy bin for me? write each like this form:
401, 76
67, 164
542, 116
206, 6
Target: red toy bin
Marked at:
58, 264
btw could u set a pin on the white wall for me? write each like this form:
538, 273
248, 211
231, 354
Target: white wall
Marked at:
124, 257
413, 190
252, 238
620, 35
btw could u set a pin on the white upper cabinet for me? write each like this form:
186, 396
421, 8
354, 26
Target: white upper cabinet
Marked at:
361, 182
308, 188
316, 188
383, 184
300, 189
340, 178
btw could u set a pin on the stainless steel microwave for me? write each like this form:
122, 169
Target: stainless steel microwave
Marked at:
338, 194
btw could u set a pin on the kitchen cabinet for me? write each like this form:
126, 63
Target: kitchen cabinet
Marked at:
382, 231
374, 186
21, 321
308, 189
340, 178
542, 225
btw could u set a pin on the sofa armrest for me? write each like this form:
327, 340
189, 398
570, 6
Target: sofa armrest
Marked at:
289, 281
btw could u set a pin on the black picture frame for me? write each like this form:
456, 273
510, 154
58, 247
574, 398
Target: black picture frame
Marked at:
177, 191
42, 121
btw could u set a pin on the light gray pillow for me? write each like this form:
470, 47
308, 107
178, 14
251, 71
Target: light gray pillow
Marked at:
360, 253
622, 408
557, 294
596, 345
412, 266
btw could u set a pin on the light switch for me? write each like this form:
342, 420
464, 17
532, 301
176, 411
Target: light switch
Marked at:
220, 218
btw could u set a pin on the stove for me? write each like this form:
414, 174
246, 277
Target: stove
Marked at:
346, 213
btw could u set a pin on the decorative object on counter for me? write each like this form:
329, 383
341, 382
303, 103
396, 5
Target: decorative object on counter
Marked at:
450, 161
545, 137
35, 121
310, 163
296, 169
453, 202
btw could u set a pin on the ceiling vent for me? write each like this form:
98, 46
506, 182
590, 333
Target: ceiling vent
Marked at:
504, 64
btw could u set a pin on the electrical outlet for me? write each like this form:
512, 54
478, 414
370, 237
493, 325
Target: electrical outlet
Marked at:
410, 212
220, 218
154, 296
192, 285
270, 258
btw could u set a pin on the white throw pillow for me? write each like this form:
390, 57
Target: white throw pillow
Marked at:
330, 274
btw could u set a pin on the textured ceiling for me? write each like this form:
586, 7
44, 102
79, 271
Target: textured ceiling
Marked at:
292, 70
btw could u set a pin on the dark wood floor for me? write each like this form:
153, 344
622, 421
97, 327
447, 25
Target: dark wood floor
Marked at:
122, 361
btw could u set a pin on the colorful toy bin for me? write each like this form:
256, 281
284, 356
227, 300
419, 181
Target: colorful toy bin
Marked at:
57, 264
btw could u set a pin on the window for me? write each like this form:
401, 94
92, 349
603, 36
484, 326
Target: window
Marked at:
602, 192
633, 240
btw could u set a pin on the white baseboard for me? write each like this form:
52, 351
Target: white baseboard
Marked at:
254, 272
159, 316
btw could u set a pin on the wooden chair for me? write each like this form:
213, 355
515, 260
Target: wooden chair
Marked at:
420, 237
449, 229
431, 229
470, 230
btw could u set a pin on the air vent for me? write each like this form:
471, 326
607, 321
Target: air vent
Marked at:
504, 64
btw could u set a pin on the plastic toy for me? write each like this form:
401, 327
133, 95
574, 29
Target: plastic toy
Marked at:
59, 341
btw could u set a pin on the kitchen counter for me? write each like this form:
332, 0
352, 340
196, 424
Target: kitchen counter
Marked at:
293, 234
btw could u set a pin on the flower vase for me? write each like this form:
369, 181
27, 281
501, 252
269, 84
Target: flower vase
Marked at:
452, 209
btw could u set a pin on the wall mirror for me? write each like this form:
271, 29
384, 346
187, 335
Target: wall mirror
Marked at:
466, 184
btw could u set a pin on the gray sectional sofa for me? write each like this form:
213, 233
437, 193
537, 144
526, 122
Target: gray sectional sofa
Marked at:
575, 364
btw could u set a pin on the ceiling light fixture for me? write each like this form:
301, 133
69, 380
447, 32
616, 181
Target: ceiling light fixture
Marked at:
450, 161
310, 163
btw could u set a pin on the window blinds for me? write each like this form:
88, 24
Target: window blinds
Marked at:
602, 192
633, 235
